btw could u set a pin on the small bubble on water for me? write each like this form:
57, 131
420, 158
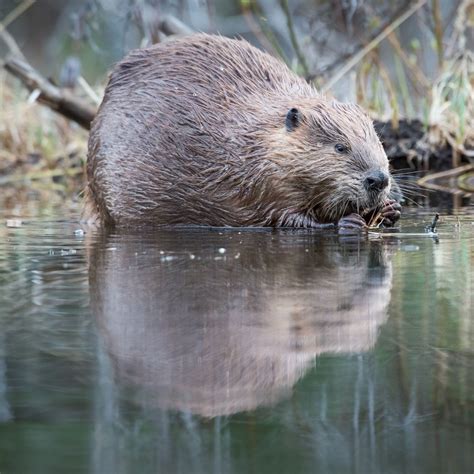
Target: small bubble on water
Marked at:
14, 223
410, 248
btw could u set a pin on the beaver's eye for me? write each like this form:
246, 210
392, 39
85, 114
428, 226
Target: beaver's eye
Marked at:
292, 119
340, 148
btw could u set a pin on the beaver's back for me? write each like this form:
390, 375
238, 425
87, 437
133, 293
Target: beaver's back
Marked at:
174, 120
210, 70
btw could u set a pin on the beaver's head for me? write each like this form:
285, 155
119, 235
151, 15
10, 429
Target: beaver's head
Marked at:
333, 159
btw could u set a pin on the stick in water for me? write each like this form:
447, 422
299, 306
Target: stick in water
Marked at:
432, 227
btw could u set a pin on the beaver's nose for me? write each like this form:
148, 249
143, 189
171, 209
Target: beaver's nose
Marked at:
376, 181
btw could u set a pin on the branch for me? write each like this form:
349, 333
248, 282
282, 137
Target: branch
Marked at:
55, 98
293, 38
170, 25
10, 18
10, 42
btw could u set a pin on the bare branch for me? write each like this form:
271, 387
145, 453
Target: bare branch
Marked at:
170, 25
55, 98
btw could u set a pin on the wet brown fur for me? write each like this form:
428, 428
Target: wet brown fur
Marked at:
193, 132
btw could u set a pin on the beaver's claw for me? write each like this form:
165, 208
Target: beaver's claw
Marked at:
351, 223
391, 212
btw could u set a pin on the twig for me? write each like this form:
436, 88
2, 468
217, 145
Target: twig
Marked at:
452, 173
16, 12
10, 18
403, 87
373, 44
376, 221
334, 66
416, 71
47, 93
438, 32
293, 39
454, 181
10, 42
432, 227
88, 90
170, 25
59, 100
265, 38
390, 91
402, 234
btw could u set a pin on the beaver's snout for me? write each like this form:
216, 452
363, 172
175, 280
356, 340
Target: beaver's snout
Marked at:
376, 181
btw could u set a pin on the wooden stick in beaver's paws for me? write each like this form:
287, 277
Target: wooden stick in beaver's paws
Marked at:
390, 212
385, 216
353, 223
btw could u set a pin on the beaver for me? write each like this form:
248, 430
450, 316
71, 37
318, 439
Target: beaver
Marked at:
207, 130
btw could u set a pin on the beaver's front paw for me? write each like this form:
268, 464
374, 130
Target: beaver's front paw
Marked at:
351, 223
390, 212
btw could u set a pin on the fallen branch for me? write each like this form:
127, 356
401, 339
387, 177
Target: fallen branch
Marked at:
55, 98
449, 180
41, 88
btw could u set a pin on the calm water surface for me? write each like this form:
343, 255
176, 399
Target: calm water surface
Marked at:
207, 351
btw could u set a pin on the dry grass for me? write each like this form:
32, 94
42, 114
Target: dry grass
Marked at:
451, 114
36, 144
446, 100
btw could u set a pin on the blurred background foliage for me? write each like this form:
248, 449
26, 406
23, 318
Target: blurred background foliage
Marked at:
314, 37
400, 60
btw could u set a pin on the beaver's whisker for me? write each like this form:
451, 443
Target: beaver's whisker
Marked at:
346, 205
413, 201
404, 172
410, 189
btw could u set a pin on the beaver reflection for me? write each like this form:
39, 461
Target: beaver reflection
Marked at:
216, 323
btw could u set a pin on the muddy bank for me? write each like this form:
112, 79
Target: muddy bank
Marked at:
407, 146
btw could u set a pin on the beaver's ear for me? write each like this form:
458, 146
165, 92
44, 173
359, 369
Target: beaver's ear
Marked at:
293, 119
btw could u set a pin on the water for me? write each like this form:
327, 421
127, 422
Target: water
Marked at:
207, 351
